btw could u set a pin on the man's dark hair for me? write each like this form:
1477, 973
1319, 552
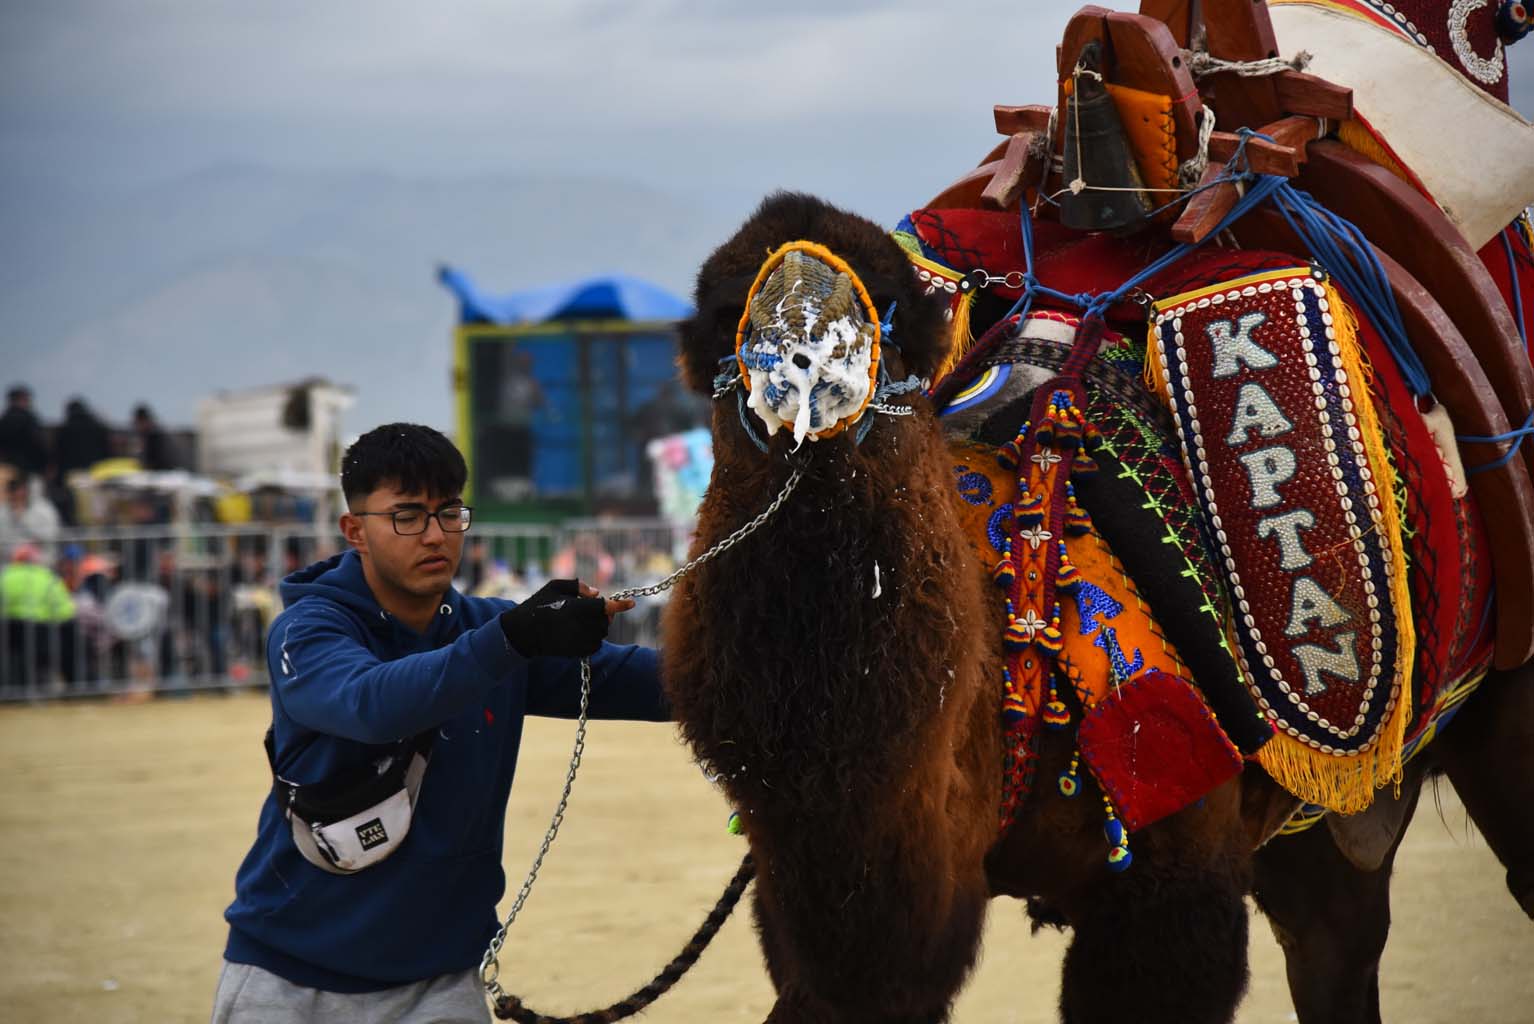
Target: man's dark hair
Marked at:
18, 393
409, 456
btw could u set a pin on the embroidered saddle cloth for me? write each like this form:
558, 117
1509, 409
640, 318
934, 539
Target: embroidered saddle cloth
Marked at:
1146, 734
1146, 501
1270, 385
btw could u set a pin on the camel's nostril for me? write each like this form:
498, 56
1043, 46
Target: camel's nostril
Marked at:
802, 361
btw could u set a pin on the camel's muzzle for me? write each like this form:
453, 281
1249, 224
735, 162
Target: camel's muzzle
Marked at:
808, 343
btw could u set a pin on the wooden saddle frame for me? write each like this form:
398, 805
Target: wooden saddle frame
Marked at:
1454, 315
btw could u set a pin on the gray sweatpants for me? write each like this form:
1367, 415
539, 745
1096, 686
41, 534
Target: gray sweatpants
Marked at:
249, 995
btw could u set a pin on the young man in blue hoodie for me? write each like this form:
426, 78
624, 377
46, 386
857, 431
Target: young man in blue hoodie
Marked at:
374, 647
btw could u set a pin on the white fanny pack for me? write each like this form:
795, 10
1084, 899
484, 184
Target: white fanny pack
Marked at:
359, 817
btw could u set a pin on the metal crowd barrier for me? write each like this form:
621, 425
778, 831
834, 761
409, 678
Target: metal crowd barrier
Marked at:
156, 610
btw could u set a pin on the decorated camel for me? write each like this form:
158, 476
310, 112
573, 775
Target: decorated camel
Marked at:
1207, 536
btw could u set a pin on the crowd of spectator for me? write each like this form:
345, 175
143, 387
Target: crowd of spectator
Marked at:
42, 459
146, 601
68, 612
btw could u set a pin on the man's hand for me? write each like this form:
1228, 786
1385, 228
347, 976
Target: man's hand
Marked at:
614, 608
565, 618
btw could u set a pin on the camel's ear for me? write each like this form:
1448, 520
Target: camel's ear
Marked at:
703, 344
709, 334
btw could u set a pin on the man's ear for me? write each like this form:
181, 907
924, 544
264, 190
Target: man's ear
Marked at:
351, 529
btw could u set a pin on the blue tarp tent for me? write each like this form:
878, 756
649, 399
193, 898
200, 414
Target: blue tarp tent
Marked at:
609, 297
558, 389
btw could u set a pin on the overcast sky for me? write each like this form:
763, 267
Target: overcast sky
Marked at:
799, 92
880, 99
873, 105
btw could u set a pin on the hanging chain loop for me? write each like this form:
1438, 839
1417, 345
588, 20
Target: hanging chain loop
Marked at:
490, 964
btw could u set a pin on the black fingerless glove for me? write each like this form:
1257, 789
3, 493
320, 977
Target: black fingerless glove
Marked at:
556, 622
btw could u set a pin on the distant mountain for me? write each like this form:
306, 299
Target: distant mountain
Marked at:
244, 275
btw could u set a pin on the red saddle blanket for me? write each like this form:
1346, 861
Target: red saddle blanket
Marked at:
1447, 576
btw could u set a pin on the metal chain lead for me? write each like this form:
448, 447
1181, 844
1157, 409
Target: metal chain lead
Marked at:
490, 965
718, 549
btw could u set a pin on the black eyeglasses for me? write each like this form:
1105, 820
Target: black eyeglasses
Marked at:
408, 522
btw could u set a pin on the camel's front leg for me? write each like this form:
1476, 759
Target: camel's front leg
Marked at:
1165, 943
875, 951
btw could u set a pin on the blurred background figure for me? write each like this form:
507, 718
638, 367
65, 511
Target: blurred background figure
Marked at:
23, 443
39, 619
521, 399
90, 578
154, 445
476, 565
82, 440
27, 517
584, 558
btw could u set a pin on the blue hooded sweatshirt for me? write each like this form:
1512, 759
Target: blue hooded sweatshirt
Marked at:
348, 681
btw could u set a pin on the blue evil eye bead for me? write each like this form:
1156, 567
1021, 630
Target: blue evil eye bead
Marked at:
1119, 858
1114, 830
1069, 784
734, 826
1513, 20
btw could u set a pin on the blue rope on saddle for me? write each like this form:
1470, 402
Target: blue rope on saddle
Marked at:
1527, 430
1516, 436
1347, 255
1335, 244
1261, 187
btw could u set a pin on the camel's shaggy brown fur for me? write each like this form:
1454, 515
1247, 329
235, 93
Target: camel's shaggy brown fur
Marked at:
840, 670
835, 669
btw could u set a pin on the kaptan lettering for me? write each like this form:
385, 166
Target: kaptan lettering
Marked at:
1314, 660
1233, 345
1287, 525
1256, 408
1255, 417
1308, 603
1266, 469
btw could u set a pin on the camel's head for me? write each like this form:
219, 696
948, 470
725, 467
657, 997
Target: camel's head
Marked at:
805, 302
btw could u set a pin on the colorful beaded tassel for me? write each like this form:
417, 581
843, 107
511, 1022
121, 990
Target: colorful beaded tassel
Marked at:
1119, 857
1070, 780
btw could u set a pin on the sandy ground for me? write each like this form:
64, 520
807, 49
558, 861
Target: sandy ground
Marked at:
122, 826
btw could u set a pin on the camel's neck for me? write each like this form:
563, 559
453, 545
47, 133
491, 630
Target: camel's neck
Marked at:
828, 635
